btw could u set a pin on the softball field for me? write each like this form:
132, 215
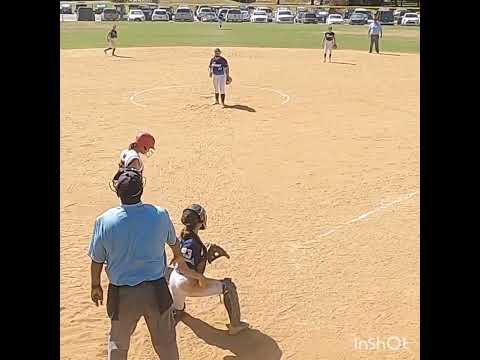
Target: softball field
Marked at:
310, 180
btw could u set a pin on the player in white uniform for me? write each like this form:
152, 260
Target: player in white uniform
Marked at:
130, 158
196, 255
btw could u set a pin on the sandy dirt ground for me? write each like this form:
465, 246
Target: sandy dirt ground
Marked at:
310, 181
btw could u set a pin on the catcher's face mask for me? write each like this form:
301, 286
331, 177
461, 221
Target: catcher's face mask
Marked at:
202, 214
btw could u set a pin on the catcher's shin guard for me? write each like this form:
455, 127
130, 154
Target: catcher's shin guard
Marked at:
230, 299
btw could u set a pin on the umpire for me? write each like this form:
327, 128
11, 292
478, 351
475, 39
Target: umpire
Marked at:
375, 32
130, 239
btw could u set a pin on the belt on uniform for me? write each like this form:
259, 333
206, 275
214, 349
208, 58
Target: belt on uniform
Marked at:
162, 295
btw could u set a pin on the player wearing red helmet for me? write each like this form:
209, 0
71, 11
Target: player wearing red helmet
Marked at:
130, 158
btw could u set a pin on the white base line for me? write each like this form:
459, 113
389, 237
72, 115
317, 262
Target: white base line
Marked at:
368, 213
285, 97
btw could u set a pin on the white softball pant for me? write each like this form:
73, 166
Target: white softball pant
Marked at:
219, 82
181, 288
328, 46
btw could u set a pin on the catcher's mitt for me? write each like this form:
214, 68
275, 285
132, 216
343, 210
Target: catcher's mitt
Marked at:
335, 46
229, 80
214, 252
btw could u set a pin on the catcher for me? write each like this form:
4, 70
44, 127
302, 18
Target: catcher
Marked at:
196, 255
220, 71
329, 42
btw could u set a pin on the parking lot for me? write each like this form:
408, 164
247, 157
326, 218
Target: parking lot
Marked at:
243, 14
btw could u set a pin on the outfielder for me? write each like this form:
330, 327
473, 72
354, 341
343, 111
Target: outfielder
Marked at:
196, 255
221, 75
112, 40
329, 42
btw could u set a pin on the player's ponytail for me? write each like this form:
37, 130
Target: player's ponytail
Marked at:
132, 146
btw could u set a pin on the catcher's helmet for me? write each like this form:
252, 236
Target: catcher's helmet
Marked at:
145, 141
199, 211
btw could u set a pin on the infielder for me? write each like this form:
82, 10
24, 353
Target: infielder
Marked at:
196, 255
329, 42
221, 75
112, 36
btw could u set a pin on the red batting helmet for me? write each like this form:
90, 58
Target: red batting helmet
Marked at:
145, 141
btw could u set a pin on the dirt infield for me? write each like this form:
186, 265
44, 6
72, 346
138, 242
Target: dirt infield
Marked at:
310, 181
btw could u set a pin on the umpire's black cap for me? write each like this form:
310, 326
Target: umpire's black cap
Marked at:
129, 184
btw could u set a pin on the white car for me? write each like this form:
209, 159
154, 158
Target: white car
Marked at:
208, 16
335, 19
410, 19
268, 10
136, 15
259, 16
233, 15
160, 15
284, 16
202, 10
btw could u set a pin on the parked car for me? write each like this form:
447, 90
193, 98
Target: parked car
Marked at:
398, 14
99, 8
233, 15
79, 6
208, 16
136, 15
169, 11
160, 15
259, 16
334, 19
222, 13
358, 19
322, 16
410, 19
66, 9
110, 15
284, 16
201, 10
299, 14
269, 12
385, 16
309, 18
184, 13
366, 12
85, 14
245, 15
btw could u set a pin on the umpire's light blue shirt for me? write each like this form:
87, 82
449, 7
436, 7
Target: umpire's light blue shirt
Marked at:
375, 29
131, 239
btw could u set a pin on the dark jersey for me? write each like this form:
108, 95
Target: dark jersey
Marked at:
194, 253
218, 65
329, 35
112, 34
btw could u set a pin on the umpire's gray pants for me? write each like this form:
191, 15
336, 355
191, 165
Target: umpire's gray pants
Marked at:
374, 39
135, 302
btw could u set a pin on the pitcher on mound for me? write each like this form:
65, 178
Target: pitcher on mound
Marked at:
220, 71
